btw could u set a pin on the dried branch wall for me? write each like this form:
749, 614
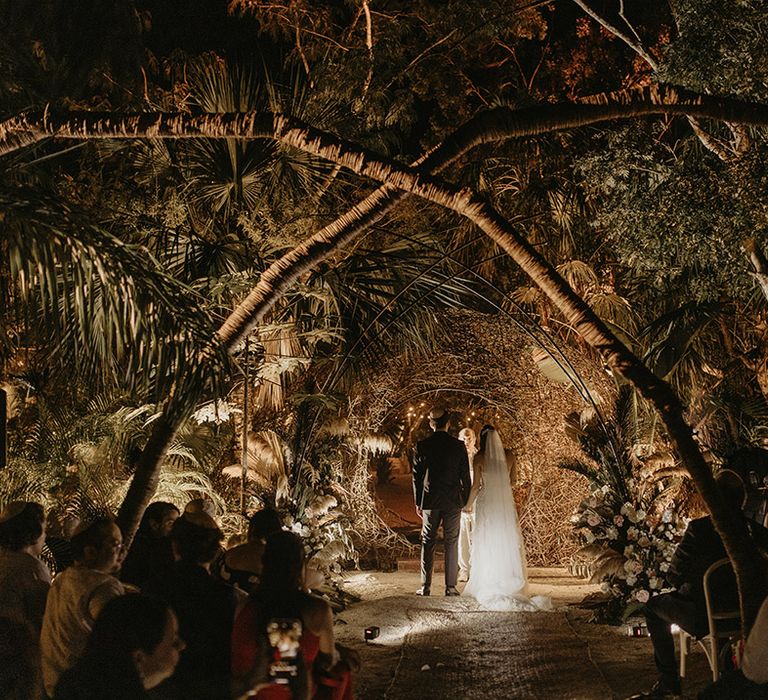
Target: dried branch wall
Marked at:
488, 364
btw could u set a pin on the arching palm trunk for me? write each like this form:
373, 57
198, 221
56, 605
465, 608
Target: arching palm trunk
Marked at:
750, 567
492, 126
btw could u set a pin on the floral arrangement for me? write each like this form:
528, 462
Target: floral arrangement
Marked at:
632, 546
323, 528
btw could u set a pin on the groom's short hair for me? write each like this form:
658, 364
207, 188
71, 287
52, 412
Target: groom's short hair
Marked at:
438, 418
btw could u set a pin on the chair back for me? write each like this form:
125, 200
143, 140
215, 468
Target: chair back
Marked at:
721, 598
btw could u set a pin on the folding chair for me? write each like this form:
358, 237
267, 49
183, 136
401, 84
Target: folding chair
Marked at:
723, 621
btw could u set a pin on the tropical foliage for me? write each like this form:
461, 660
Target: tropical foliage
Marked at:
139, 266
628, 525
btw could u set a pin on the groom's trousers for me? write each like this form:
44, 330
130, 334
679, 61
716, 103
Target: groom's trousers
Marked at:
451, 520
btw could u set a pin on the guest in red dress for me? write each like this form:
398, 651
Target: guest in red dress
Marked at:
282, 641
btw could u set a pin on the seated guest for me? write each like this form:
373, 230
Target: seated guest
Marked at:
700, 547
241, 565
750, 682
204, 605
19, 661
280, 597
134, 646
78, 595
151, 552
24, 579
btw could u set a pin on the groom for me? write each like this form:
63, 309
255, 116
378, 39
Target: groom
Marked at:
441, 484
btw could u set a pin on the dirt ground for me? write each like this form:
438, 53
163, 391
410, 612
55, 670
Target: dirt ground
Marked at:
440, 647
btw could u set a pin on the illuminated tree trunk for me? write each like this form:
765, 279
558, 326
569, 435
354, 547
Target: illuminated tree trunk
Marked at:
3, 428
492, 126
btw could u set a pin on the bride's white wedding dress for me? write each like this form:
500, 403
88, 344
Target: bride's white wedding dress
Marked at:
498, 579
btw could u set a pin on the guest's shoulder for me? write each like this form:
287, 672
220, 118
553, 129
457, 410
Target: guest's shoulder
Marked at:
759, 533
106, 586
700, 524
40, 570
315, 610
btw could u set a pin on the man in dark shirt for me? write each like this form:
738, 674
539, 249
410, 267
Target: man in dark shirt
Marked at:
205, 607
700, 547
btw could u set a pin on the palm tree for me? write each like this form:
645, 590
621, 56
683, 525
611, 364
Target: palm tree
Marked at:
493, 125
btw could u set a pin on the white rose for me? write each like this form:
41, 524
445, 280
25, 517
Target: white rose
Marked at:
642, 596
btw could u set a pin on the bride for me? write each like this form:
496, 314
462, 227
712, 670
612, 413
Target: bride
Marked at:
498, 578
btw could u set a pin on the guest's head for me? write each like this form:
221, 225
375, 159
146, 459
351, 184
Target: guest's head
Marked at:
439, 418
136, 636
732, 488
263, 523
201, 505
98, 545
283, 562
22, 527
158, 519
196, 538
484, 432
467, 436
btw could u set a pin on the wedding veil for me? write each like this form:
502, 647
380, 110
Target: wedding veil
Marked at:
498, 578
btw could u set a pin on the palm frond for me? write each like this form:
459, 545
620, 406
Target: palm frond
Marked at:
108, 307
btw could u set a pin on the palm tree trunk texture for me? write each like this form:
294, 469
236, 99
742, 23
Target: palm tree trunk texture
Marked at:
33, 126
495, 125
3, 428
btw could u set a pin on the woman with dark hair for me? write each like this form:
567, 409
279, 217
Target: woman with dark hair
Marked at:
133, 647
24, 578
151, 553
241, 565
282, 643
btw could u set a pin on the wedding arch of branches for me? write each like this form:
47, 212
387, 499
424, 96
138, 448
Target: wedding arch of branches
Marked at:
491, 366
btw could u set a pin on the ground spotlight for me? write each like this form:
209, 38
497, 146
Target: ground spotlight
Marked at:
371, 633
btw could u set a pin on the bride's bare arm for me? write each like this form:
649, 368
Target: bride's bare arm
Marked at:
477, 482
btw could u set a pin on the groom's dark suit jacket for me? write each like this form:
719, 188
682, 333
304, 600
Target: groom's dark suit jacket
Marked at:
441, 478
